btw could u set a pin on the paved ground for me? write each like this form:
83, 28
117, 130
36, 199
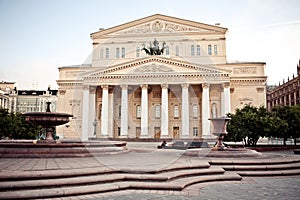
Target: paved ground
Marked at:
145, 156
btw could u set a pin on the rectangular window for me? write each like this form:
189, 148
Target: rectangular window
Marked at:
157, 111
192, 50
176, 111
107, 53
195, 111
195, 131
137, 52
123, 52
198, 50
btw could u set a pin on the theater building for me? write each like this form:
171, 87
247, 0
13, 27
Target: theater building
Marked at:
156, 77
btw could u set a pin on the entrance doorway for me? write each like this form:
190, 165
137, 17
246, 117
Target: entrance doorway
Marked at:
156, 132
138, 132
175, 132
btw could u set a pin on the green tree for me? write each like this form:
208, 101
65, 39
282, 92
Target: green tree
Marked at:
249, 124
14, 126
291, 117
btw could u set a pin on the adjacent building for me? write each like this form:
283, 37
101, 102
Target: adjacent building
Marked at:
286, 94
156, 77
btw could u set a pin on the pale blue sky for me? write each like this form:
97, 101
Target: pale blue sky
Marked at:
38, 36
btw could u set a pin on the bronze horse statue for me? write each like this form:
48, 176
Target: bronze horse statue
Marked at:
154, 50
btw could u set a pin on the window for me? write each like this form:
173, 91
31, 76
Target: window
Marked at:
157, 111
195, 131
167, 51
177, 50
215, 50
137, 52
123, 52
138, 112
107, 53
176, 111
192, 50
198, 50
117, 53
195, 111
209, 50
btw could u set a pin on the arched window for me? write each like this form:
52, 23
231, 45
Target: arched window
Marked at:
192, 50
167, 51
117, 53
215, 50
177, 50
123, 52
195, 111
157, 111
138, 52
107, 53
195, 131
209, 50
198, 50
176, 111
138, 112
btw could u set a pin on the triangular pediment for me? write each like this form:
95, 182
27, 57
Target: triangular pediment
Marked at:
152, 65
159, 24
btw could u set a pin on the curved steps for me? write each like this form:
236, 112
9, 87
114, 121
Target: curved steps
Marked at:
61, 183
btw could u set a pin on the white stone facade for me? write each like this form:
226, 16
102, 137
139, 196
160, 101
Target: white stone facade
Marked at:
125, 93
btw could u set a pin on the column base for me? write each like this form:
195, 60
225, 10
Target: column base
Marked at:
164, 136
185, 136
144, 136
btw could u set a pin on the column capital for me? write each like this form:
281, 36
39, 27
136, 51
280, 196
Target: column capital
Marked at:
144, 86
124, 86
205, 85
93, 89
184, 85
85, 87
104, 87
164, 86
226, 85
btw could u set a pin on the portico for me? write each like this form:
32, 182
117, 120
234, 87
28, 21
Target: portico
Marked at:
154, 100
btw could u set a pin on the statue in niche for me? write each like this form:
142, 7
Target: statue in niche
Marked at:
154, 50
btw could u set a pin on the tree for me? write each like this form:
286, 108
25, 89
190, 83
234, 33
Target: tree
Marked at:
291, 117
14, 126
249, 124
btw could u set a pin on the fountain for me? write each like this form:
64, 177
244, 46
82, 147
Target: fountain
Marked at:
219, 150
48, 120
219, 130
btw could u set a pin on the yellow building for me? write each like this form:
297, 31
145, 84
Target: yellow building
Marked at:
156, 77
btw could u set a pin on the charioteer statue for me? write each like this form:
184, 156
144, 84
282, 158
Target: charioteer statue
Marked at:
154, 50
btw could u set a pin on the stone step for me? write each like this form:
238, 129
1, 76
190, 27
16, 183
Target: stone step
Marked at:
175, 184
255, 161
269, 167
290, 172
105, 178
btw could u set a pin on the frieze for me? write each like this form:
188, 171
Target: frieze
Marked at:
153, 68
244, 70
159, 26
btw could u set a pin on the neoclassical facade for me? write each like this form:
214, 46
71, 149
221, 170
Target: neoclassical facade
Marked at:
128, 92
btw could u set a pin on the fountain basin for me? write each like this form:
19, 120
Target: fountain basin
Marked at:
47, 119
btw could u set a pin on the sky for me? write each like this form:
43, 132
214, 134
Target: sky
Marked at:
38, 36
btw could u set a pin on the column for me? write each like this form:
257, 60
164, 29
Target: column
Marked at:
111, 115
226, 100
85, 113
92, 112
185, 114
144, 117
104, 113
164, 111
124, 111
205, 111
